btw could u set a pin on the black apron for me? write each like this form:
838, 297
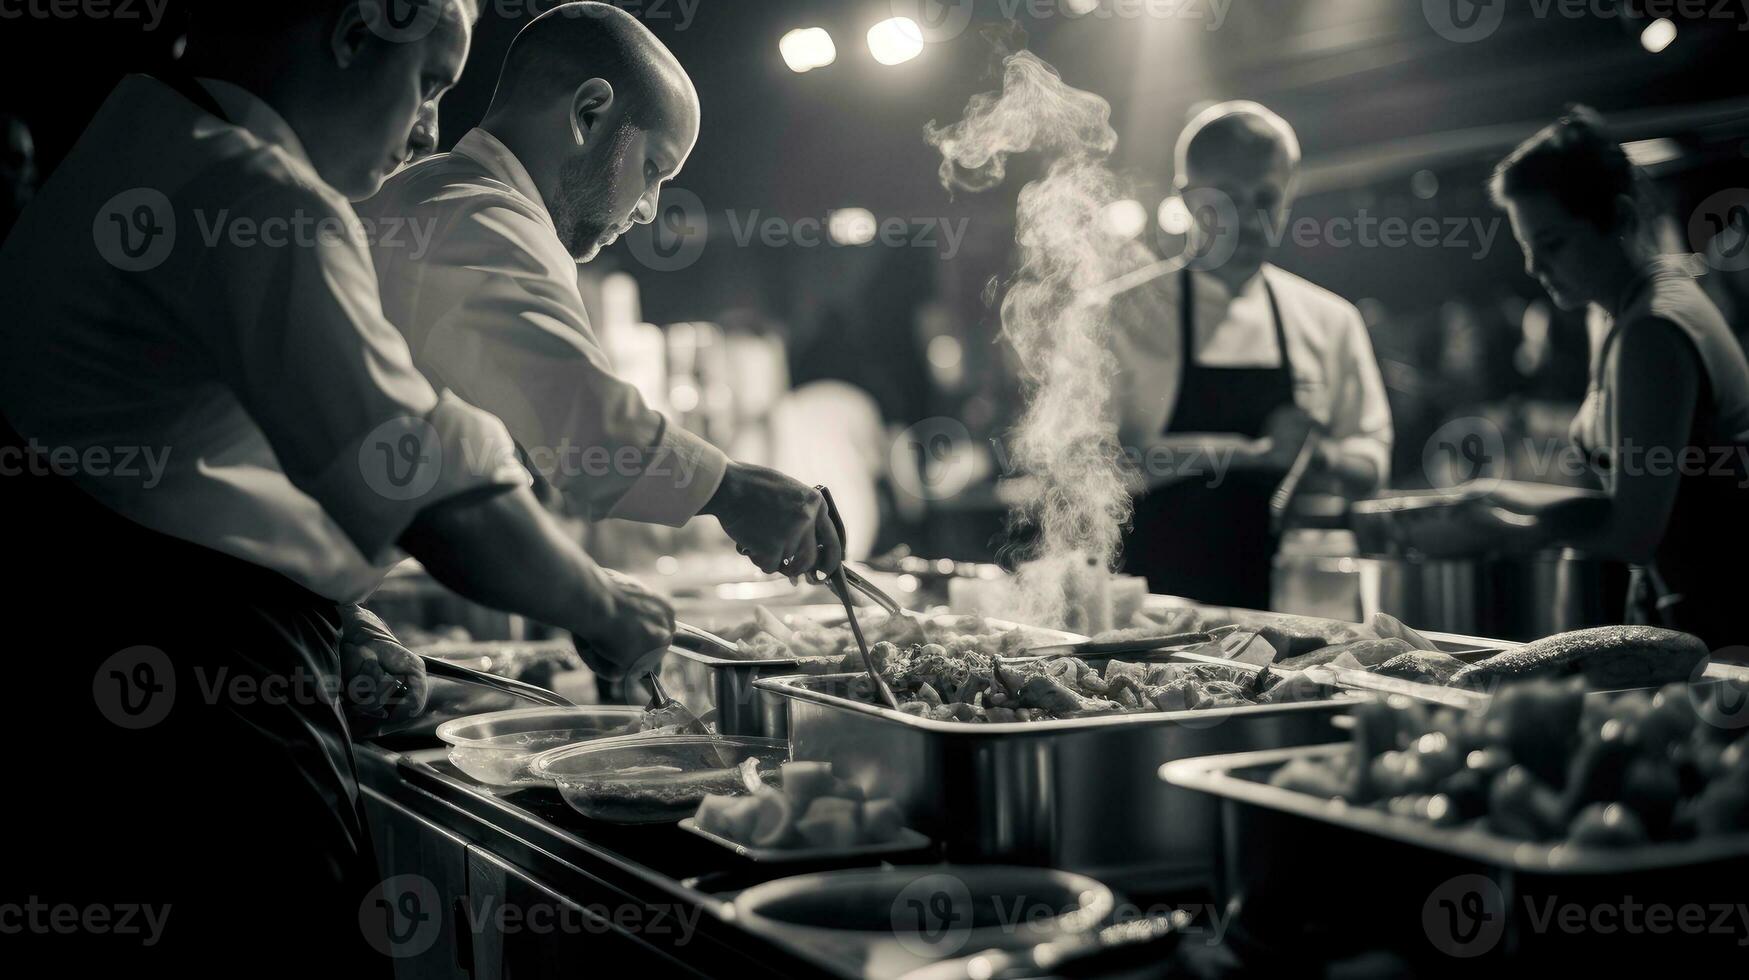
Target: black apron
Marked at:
182, 746
1213, 544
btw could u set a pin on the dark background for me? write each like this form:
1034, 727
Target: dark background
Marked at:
1376, 95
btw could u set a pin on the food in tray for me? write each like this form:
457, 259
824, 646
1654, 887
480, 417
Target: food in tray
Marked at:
765, 637
1543, 762
808, 808
1607, 656
664, 790
960, 681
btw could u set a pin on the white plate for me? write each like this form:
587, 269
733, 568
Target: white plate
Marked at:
908, 840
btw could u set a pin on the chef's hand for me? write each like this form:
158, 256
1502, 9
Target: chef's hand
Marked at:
779, 523
382, 682
1284, 433
629, 631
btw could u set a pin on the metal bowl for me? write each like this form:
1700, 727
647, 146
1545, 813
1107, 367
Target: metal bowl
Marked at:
928, 912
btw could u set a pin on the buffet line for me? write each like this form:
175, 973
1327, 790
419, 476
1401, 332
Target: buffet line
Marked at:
1297, 773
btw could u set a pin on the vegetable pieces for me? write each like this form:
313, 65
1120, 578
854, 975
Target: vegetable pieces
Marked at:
1544, 762
812, 809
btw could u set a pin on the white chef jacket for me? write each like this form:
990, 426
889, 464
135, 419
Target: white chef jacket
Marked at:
153, 316
1335, 375
491, 309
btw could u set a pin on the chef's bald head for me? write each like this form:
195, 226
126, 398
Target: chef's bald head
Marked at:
575, 42
1235, 136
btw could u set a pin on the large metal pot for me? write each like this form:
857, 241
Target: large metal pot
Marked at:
1518, 598
1423, 563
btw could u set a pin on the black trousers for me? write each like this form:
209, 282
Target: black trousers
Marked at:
182, 791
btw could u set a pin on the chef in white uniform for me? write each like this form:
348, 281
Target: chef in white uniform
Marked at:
592, 116
214, 447
1230, 367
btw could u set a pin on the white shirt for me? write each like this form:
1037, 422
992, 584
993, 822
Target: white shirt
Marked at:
163, 305
1335, 375
491, 309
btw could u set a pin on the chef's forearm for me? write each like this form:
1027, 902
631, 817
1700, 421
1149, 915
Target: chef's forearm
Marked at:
1357, 470
505, 551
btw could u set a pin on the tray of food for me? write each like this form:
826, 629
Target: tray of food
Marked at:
811, 815
658, 778
810, 640
1049, 760
1545, 797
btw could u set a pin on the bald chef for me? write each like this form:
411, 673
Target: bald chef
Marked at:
1232, 366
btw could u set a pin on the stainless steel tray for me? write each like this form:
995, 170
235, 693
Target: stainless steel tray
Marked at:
1242, 777
1081, 794
708, 684
1300, 868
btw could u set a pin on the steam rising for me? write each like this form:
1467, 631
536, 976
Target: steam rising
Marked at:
1065, 439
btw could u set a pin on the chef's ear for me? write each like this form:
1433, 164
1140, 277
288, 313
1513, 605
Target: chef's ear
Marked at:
351, 33
591, 99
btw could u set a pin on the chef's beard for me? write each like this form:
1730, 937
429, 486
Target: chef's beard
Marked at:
583, 212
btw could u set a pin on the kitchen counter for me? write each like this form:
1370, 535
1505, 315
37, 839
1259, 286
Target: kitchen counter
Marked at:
517, 884
529, 887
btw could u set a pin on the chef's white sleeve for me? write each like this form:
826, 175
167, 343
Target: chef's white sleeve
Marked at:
519, 344
297, 331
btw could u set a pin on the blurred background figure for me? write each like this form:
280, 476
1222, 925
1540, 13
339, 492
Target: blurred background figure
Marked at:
1234, 373
1668, 377
17, 169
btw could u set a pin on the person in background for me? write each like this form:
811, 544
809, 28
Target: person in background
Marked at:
214, 447
592, 116
1228, 368
17, 170
1665, 423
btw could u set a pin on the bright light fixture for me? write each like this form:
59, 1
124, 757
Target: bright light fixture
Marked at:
807, 48
1123, 220
1658, 35
851, 226
1174, 216
895, 41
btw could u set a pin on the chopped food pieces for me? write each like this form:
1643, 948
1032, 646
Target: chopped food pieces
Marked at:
1543, 762
809, 808
769, 638
960, 682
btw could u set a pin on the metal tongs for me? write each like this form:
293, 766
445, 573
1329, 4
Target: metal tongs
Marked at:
841, 582
664, 710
